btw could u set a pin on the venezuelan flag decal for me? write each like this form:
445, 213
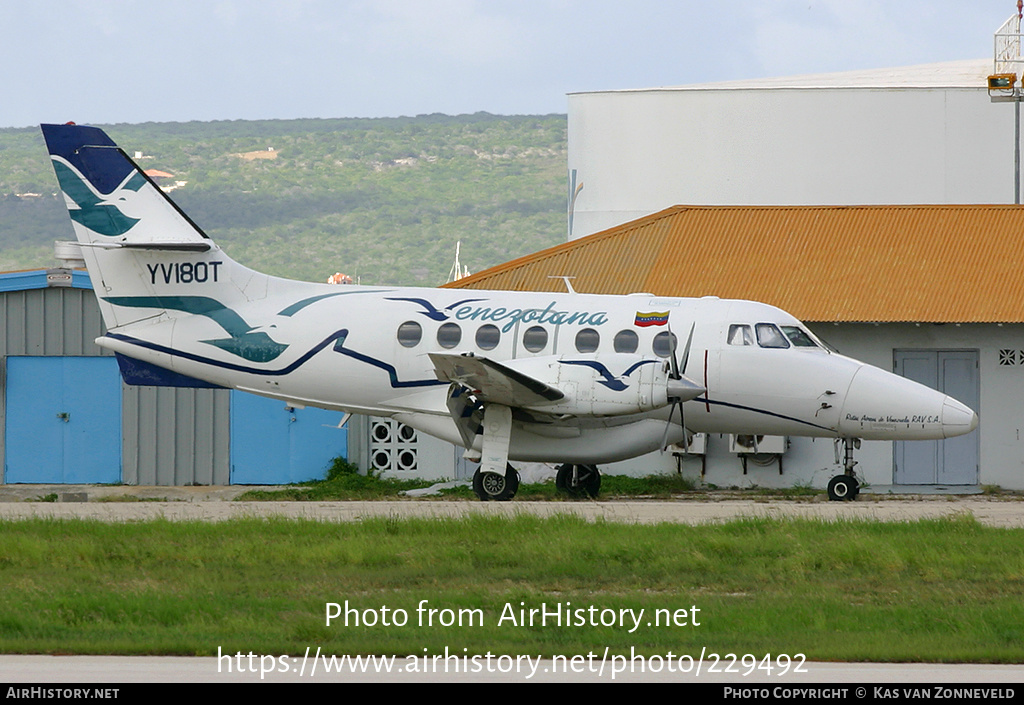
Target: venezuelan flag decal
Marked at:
658, 318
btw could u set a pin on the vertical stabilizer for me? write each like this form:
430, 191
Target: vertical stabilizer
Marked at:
141, 250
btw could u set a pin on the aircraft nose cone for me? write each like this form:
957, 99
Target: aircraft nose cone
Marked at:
957, 418
884, 406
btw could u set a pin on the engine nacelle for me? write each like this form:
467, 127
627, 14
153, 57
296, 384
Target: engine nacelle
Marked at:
605, 385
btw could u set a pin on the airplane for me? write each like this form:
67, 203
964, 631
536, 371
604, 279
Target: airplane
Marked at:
573, 379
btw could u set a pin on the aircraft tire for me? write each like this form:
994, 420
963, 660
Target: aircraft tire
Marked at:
489, 486
843, 488
587, 484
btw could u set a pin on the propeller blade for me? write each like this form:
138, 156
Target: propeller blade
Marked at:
668, 426
679, 393
682, 422
686, 350
673, 360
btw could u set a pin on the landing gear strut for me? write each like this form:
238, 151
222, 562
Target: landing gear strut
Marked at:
845, 487
495, 487
578, 480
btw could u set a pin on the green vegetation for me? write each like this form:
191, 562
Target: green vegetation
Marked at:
343, 482
947, 591
383, 200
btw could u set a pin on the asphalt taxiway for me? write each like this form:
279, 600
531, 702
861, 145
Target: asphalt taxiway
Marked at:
218, 504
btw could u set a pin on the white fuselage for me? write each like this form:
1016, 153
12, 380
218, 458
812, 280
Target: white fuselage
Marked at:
568, 378
340, 347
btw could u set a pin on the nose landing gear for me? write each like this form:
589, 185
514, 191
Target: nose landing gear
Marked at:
845, 487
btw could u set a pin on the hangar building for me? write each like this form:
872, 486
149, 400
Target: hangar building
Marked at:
931, 292
735, 152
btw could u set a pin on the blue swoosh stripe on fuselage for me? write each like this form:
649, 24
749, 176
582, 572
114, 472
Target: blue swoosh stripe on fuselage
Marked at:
337, 337
299, 305
234, 367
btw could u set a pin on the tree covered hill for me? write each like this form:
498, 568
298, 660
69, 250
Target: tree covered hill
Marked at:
382, 200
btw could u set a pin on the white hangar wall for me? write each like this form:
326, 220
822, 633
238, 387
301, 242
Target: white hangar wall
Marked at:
903, 136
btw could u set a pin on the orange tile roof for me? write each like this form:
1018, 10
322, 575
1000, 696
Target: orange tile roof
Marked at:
952, 264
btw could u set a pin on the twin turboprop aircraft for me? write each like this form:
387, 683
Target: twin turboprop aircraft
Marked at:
573, 379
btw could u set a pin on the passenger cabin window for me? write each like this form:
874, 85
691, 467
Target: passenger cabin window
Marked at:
664, 343
449, 335
409, 334
740, 335
769, 336
535, 339
587, 340
626, 341
487, 337
799, 337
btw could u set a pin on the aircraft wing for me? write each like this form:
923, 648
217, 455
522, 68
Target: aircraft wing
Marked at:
493, 382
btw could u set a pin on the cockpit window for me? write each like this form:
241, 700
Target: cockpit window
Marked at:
799, 337
740, 335
769, 336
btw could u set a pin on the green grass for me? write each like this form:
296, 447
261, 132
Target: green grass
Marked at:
947, 590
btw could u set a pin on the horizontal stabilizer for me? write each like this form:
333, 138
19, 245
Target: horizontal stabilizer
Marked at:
161, 246
493, 382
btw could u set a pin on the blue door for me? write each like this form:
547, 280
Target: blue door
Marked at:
63, 420
952, 461
272, 444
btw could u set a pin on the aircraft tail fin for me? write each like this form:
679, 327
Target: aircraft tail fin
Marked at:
146, 258
111, 201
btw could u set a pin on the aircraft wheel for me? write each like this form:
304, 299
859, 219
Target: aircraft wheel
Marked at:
842, 488
490, 486
586, 484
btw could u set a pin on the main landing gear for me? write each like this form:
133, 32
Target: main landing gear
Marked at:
845, 487
578, 481
494, 487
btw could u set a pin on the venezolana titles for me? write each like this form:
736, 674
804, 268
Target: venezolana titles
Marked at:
556, 614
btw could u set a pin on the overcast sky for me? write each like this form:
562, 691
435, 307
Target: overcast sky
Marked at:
107, 61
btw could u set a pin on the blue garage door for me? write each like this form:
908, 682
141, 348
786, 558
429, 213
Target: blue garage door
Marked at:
272, 444
63, 420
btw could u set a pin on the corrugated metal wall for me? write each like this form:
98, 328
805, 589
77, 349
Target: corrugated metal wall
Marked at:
50, 321
169, 436
197, 450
